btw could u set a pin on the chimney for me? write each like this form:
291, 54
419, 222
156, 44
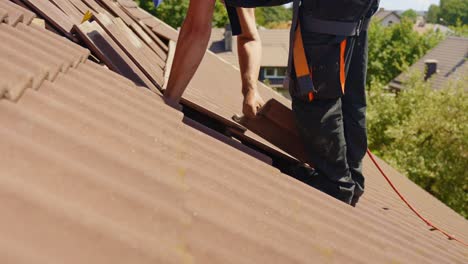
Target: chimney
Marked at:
431, 69
228, 38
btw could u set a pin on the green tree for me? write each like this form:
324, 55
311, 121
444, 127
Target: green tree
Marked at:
433, 14
270, 16
410, 14
460, 30
453, 10
424, 134
393, 49
173, 12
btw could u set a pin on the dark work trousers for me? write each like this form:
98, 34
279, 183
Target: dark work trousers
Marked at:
334, 131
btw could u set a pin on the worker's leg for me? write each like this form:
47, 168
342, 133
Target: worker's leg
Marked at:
321, 127
354, 113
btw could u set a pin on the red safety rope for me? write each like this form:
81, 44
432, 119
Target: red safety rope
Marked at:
433, 227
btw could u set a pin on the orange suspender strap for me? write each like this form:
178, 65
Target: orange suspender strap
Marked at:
301, 66
343, 64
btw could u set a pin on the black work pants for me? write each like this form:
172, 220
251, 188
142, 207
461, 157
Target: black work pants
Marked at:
334, 132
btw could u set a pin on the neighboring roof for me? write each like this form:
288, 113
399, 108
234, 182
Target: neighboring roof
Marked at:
275, 47
382, 13
451, 55
425, 27
96, 169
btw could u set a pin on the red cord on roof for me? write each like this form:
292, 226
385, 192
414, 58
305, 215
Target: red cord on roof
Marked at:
433, 227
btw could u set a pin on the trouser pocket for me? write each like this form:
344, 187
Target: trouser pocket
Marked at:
326, 67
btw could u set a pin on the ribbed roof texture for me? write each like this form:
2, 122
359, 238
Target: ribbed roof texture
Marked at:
96, 169
451, 55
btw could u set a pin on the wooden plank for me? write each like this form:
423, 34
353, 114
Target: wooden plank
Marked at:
275, 123
161, 29
127, 3
82, 7
151, 43
69, 9
133, 47
95, 6
151, 33
53, 15
117, 11
140, 45
111, 54
169, 61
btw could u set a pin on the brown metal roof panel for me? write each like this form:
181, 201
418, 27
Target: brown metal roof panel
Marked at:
225, 231
111, 54
18, 40
53, 14
69, 52
28, 16
13, 16
49, 114
114, 164
220, 231
3, 14
432, 208
55, 50
66, 43
15, 80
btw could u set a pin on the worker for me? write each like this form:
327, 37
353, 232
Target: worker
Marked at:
193, 42
327, 76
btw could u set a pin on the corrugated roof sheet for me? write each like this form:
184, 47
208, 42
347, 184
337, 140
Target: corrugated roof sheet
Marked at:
96, 169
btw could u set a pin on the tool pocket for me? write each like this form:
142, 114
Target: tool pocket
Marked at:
328, 68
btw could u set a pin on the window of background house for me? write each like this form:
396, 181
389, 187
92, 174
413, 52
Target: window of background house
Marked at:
275, 72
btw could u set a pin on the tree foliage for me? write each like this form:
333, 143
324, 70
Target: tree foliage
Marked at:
453, 10
410, 14
433, 14
173, 12
449, 12
392, 49
270, 17
424, 134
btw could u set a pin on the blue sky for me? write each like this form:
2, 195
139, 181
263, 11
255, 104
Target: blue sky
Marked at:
407, 4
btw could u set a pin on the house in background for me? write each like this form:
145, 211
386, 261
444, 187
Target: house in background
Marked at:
444, 63
387, 17
275, 47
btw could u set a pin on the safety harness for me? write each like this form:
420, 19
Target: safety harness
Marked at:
345, 32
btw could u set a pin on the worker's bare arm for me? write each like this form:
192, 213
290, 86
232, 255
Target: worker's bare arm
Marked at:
250, 53
191, 46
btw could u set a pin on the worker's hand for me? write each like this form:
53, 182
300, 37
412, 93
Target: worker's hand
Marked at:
252, 103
